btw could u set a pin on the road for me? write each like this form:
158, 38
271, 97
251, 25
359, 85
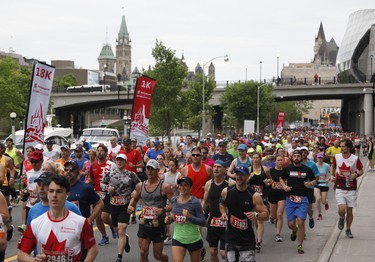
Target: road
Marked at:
316, 239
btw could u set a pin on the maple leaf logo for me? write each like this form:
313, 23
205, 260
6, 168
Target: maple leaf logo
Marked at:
53, 244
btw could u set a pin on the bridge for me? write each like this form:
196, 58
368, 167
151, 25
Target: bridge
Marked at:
357, 113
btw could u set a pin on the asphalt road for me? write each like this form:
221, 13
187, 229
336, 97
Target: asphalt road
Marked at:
316, 238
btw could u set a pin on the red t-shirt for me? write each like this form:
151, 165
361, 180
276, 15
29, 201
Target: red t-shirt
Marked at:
97, 171
133, 157
199, 180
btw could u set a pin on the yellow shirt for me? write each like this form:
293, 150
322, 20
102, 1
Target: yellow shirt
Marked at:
333, 151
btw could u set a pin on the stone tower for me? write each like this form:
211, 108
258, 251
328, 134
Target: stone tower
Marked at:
123, 52
106, 59
211, 71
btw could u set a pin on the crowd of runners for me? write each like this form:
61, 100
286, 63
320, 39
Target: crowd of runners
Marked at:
229, 185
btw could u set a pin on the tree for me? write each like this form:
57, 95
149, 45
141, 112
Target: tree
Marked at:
15, 88
193, 101
61, 83
169, 72
239, 100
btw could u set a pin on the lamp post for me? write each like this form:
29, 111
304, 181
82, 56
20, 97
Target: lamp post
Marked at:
260, 72
226, 59
371, 67
127, 122
13, 116
278, 58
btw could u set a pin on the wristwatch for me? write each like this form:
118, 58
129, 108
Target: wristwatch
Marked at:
256, 214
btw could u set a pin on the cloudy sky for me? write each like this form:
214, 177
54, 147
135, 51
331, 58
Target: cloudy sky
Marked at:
248, 31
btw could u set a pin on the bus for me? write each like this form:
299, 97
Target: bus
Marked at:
88, 88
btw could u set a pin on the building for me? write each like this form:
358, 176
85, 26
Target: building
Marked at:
355, 59
123, 52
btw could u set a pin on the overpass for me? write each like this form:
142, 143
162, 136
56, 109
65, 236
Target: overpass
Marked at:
357, 112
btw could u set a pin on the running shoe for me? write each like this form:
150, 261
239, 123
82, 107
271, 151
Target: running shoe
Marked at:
203, 254
114, 234
127, 246
326, 206
272, 220
21, 228
278, 238
340, 225
311, 222
258, 246
300, 250
349, 233
167, 240
10, 233
118, 259
104, 241
319, 217
293, 236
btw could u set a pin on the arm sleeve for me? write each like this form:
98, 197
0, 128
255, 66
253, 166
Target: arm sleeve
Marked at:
197, 217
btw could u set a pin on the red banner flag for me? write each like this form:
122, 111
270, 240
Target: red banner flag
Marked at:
280, 122
40, 92
141, 108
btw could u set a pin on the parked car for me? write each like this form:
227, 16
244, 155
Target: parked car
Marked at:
99, 135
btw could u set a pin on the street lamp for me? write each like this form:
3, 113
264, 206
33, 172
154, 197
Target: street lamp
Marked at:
260, 72
371, 67
226, 59
13, 116
127, 122
265, 84
278, 58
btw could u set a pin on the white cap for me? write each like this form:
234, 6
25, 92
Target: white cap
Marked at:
39, 147
153, 163
123, 156
304, 148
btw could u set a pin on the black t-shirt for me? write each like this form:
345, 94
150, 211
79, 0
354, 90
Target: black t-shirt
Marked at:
295, 177
227, 158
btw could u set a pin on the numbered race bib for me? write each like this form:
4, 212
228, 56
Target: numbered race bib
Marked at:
58, 256
119, 200
101, 194
258, 189
322, 177
296, 199
148, 212
241, 224
217, 222
277, 185
344, 173
179, 219
148, 217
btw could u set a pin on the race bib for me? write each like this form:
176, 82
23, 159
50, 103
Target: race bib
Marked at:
101, 194
119, 200
296, 199
344, 173
241, 224
179, 219
58, 256
277, 185
322, 177
148, 212
258, 189
217, 222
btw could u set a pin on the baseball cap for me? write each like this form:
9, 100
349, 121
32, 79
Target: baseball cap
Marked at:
250, 150
242, 147
127, 141
304, 148
65, 147
182, 144
36, 155
153, 163
79, 149
209, 134
186, 180
244, 170
222, 143
297, 152
73, 163
38, 147
220, 162
133, 139
44, 177
320, 155
49, 142
156, 142
122, 156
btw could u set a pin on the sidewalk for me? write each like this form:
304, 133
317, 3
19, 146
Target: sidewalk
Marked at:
362, 246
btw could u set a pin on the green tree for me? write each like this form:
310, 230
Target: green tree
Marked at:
61, 83
14, 85
192, 98
167, 106
239, 101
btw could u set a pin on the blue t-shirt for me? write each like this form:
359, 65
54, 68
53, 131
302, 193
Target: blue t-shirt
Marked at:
83, 196
152, 154
324, 173
311, 164
39, 209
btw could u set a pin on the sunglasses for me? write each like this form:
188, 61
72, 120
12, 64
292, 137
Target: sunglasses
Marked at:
204, 153
159, 158
195, 155
68, 169
34, 161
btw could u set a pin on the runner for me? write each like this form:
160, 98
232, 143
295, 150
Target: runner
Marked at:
4, 216
276, 197
345, 170
295, 181
321, 189
154, 194
212, 195
188, 215
242, 159
236, 206
56, 226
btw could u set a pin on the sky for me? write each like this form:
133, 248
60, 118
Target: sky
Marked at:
247, 31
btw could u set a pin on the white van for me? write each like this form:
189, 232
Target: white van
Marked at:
99, 135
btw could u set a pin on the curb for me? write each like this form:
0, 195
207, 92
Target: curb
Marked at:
335, 234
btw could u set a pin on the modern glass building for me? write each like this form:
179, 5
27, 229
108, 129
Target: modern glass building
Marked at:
357, 50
